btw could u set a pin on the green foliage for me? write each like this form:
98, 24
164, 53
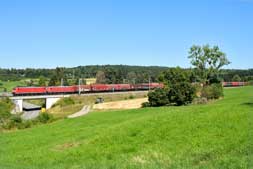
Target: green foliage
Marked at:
131, 97
181, 93
45, 117
158, 97
251, 82
145, 104
113, 73
58, 78
178, 89
5, 109
213, 91
16, 119
42, 81
64, 102
100, 77
207, 61
173, 76
236, 78
212, 136
9, 85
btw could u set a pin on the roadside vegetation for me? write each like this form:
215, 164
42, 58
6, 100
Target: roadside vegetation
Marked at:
214, 135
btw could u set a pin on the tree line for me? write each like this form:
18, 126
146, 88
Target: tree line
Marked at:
114, 74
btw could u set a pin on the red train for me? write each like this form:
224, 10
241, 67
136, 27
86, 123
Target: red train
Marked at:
84, 88
234, 84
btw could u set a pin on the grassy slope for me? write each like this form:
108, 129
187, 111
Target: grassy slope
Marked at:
217, 135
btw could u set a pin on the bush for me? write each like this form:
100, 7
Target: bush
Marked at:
181, 93
158, 97
13, 122
16, 119
5, 108
24, 125
145, 104
45, 117
131, 97
213, 91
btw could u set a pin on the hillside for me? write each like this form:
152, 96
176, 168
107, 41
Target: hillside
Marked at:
216, 135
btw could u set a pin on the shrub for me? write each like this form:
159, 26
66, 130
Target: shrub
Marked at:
181, 93
5, 108
13, 122
27, 124
213, 91
16, 119
145, 104
158, 97
131, 97
45, 117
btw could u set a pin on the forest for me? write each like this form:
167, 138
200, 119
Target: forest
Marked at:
111, 74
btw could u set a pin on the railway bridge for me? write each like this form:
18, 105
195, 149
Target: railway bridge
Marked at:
50, 100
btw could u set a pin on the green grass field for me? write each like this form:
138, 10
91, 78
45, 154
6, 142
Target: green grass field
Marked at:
11, 84
217, 135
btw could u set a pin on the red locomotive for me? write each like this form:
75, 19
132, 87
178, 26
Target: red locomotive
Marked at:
84, 88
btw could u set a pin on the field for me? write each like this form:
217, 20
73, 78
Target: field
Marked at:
125, 104
11, 84
216, 135
63, 108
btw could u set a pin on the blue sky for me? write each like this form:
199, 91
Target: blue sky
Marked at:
50, 33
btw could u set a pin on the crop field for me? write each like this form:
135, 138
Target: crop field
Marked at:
216, 135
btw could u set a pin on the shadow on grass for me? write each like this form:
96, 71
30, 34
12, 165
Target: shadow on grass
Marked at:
250, 104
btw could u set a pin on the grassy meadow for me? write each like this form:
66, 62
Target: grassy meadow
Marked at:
216, 135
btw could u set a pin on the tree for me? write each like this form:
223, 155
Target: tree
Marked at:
58, 78
42, 81
131, 77
53, 81
100, 77
30, 82
173, 76
207, 60
236, 78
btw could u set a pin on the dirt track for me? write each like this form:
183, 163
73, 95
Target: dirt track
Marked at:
125, 104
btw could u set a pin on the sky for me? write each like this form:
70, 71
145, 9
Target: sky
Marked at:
69, 33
